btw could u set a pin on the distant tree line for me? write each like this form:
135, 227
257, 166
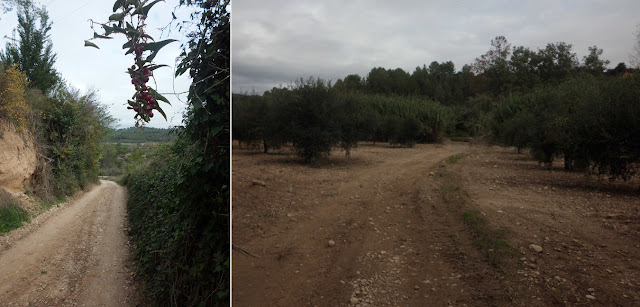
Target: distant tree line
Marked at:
137, 135
546, 100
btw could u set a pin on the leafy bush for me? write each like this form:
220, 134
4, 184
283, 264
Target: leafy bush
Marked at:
70, 130
13, 104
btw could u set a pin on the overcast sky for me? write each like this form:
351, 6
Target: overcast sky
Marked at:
276, 42
105, 69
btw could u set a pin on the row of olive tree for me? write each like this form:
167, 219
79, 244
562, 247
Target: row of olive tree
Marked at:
314, 117
591, 122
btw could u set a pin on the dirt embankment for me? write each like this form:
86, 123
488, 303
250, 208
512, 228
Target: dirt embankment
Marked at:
17, 157
78, 255
386, 228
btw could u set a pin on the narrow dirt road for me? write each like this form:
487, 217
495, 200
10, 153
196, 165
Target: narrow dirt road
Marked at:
78, 257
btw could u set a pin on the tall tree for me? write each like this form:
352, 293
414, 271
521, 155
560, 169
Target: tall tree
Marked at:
33, 54
8, 5
495, 65
524, 64
592, 62
635, 54
557, 62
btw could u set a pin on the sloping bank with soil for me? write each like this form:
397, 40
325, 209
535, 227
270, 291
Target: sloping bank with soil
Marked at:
18, 163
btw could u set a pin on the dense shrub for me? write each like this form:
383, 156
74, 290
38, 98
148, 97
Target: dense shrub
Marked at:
179, 199
13, 103
71, 128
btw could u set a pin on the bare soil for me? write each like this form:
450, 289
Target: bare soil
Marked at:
74, 255
17, 157
386, 227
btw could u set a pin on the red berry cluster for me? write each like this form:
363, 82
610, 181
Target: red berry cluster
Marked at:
144, 101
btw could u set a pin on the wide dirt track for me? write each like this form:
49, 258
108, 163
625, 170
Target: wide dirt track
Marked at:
386, 227
75, 255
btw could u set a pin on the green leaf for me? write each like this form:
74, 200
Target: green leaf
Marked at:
154, 67
158, 96
116, 17
161, 112
197, 104
117, 5
147, 36
151, 56
90, 44
113, 29
216, 130
96, 35
157, 45
145, 10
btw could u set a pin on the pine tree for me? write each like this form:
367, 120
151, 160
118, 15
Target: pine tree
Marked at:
33, 54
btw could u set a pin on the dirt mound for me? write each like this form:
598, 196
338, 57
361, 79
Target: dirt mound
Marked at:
17, 157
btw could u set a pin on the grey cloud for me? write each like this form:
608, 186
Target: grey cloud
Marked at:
276, 42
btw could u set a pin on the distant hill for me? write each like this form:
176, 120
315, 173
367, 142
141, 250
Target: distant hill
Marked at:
136, 135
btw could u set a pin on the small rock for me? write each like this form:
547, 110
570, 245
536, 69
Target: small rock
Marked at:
332, 243
354, 300
416, 287
259, 182
535, 248
591, 297
591, 290
432, 174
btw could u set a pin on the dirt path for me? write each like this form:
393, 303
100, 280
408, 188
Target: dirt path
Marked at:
588, 229
79, 256
394, 218
396, 243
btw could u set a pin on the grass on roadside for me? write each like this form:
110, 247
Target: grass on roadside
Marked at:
490, 240
11, 214
454, 158
46, 204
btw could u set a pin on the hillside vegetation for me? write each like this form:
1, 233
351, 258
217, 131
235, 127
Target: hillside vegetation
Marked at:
67, 126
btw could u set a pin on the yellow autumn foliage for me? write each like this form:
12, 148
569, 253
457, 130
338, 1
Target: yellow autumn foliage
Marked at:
13, 103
